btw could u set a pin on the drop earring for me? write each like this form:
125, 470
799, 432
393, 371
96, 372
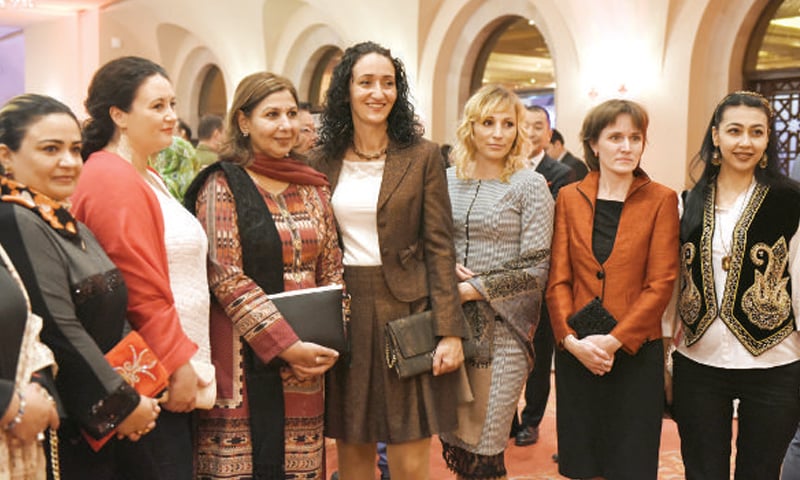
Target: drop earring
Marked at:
715, 158
763, 162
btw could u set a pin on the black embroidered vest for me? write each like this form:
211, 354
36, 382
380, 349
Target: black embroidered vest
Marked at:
757, 299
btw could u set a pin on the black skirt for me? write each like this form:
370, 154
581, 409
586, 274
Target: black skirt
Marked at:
610, 425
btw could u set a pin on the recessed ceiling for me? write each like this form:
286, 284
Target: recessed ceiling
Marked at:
14, 18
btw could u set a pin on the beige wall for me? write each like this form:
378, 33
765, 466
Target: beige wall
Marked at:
677, 57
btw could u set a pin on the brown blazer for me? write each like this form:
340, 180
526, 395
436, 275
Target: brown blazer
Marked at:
415, 230
638, 275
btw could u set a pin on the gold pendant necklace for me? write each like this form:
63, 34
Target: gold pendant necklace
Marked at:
369, 156
727, 259
726, 262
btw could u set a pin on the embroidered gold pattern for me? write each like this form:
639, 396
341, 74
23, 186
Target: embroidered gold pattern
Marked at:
738, 249
140, 363
767, 302
689, 298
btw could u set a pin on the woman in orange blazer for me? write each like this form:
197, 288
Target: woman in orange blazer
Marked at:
615, 238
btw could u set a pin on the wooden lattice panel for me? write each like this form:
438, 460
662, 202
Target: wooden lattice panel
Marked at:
784, 95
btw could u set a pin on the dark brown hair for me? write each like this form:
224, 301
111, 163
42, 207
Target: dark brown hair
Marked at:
604, 115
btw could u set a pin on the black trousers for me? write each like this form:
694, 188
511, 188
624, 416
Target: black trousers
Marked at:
537, 388
768, 413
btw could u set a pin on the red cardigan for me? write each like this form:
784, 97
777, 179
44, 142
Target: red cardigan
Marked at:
638, 275
118, 206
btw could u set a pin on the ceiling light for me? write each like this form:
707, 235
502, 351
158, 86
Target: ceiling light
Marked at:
16, 4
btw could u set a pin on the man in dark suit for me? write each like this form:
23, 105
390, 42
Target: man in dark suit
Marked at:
558, 151
537, 127
537, 388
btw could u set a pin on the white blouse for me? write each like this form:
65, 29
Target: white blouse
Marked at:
355, 205
187, 248
719, 347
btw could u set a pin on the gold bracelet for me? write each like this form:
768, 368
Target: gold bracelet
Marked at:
20, 413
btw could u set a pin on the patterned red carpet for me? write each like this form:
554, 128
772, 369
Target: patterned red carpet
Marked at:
535, 462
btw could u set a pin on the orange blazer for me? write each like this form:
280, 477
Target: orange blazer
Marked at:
637, 278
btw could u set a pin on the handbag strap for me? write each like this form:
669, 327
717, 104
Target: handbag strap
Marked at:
55, 465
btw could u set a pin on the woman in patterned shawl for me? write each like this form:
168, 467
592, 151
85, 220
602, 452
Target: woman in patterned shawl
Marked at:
503, 216
270, 228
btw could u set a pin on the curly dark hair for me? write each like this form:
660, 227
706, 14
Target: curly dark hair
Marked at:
336, 131
114, 85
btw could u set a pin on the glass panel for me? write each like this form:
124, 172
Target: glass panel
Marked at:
321, 79
519, 58
780, 48
212, 94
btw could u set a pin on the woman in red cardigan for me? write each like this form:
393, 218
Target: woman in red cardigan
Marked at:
131, 104
615, 238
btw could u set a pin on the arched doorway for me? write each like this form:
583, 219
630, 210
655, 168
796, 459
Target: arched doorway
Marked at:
516, 55
212, 99
321, 77
772, 67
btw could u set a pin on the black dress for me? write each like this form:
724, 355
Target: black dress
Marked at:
82, 299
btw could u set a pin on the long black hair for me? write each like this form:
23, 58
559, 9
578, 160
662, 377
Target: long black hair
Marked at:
336, 131
114, 85
771, 175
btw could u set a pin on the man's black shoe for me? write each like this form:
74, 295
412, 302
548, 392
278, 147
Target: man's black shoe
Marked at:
526, 436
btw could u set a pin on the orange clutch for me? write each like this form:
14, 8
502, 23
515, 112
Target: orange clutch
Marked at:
133, 359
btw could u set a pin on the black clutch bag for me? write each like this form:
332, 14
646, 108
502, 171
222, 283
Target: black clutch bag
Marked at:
592, 319
410, 343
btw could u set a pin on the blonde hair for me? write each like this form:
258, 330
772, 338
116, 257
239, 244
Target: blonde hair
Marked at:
489, 99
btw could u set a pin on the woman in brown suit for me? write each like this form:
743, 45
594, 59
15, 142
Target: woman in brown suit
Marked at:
615, 238
391, 205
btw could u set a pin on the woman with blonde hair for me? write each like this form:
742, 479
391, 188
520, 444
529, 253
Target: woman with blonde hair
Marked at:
270, 228
503, 215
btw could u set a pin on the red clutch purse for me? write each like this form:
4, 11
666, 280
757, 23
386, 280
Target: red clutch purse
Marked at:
133, 359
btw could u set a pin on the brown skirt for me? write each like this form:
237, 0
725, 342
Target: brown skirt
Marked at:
366, 402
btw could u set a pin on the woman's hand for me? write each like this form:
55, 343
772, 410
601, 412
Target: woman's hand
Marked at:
448, 355
607, 342
308, 359
594, 358
463, 273
40, 413
468, 293
182, 390
141, 421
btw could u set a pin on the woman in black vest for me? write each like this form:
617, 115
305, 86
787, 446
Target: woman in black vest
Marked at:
270, 228
739, 272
